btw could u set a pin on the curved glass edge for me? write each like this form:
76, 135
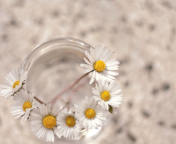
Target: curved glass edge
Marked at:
81, 45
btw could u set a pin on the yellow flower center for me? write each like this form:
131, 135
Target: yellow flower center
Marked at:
99, 66
16, 83
49, 121
26, 105
105, 95
90, 113
70, 121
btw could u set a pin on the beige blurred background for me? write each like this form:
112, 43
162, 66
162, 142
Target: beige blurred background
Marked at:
141, 32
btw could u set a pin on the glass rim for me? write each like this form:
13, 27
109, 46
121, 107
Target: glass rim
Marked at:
26, 61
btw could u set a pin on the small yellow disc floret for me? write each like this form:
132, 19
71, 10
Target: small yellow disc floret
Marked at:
49, 121
99, 66
16, 83
70, 121
105, 95
90, 113
27, 105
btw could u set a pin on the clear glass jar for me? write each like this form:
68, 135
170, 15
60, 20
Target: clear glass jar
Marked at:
53, 66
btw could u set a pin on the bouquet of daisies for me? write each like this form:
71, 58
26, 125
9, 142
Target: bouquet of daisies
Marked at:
50, 120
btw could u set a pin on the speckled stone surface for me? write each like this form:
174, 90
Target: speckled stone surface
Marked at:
141, 32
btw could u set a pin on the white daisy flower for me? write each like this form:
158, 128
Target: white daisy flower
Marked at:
106, 94
44, 122
13, 82
100, 64
90, 114
68, 124
24, 103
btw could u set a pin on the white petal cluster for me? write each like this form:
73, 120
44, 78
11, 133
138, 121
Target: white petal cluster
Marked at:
24, 103
13, 82
100, 64
107, 94
68, 124
95, 118
44, 122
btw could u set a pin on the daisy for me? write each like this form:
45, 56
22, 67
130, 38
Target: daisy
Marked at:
24, 103
90, 114
13, 82
107, 94
100, 64
44, 122
68, 124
